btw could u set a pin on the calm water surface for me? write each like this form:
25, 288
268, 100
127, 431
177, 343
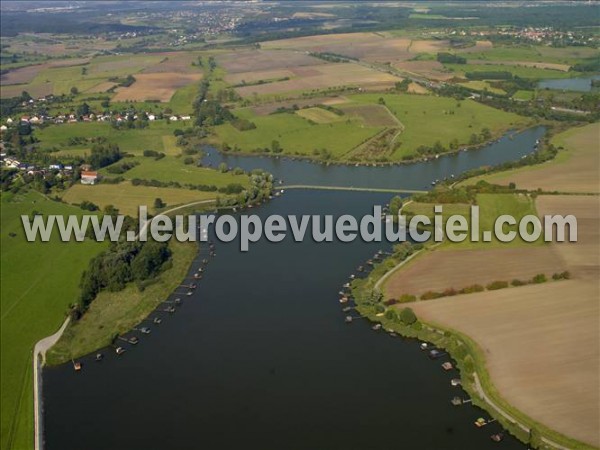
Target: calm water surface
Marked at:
569, 84
260, 357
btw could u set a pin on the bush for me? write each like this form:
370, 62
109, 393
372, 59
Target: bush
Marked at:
539, 278
430, 295
407, 316
561, 276
471, 289
407, 298
495, 285
517, 282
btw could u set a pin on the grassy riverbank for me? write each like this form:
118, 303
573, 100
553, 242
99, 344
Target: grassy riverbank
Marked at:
114, 313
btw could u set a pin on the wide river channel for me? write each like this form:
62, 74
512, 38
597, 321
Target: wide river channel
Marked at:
259, 357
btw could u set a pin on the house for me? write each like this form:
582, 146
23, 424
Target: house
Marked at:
173, 118
25, 119
88, 177
151, 117
86, 168
9, 121
186, 117
3, 128
35, 119
55, 166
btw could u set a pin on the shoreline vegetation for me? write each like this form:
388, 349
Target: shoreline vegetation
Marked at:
396, 316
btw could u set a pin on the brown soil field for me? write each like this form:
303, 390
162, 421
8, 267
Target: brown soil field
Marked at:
442, 269
430, 69
541, 344
26, 74
429, 46
368, 46
261, 60
578, 172
372, 115
35, 90
269, 108
583, 257
155, 86
252, 77
329, 75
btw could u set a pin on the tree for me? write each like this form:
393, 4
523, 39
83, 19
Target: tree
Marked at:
407, 316
158, 203
395, 205
74, 91
276, 147
535, 438
223, 167
83, 109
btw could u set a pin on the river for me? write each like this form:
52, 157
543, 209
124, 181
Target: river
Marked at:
569, 84
260, 357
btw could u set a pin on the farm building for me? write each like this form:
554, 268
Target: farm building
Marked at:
88, 177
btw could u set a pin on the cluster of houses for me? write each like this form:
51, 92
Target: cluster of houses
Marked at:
73, 118
88, 176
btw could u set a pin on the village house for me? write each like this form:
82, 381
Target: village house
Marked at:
89, 177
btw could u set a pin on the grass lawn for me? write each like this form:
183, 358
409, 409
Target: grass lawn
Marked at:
113, 313
126, 197
524, 95
39, 281
428, 119
296, 135
481, 85
157, 136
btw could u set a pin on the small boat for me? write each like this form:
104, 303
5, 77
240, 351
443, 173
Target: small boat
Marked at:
497, 437
376, 327
157, 320
197, 276
189, 293
77, 366
119, 350
145, 330
435, 353
178, 301
480, 422
447, 366
455, 382
392, 334
170, 309
133, 340
346, 285
344, 299
99, 356
347, 308
424, 345
201, 269
348, 319
456, 401
360, 269
352, 277
205, 261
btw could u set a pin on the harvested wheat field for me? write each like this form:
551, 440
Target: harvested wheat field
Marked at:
180, 62
541, 345
323, 76
583, 257
258, 75
319, 115
430, 69
541, 342
268, 108
27, 74
372, 115
263, 60
576, 170
440, 270
155, 86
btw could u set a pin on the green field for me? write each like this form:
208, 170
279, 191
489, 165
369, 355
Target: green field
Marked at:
535, 53
296, 135
172, 168
127, 198
133, 141
39, 282
428, 119
520, 71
